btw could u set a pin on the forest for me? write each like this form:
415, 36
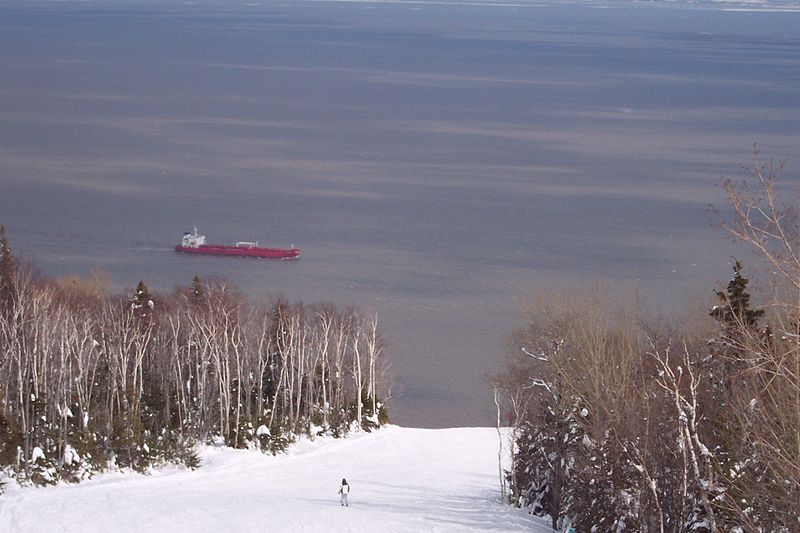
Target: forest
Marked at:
629, 421
90, 380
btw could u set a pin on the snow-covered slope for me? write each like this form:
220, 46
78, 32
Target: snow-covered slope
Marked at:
402, 480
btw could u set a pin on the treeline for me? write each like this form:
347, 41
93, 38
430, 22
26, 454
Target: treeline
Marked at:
623, 423
89, 380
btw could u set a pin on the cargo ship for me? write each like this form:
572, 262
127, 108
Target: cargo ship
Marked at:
194, 243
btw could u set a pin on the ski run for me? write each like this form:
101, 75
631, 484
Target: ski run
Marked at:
401, 480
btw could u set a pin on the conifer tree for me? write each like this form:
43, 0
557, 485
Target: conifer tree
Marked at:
730, 352
7, 268
196, 291
142, 302
6, 259
734, 310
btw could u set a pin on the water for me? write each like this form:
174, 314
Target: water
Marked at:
436, 164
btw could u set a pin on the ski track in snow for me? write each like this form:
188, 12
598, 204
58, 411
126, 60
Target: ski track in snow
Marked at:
402, 479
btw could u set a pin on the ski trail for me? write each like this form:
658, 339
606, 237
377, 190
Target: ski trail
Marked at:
401, 480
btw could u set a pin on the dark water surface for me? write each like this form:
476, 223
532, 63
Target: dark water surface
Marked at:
435, 163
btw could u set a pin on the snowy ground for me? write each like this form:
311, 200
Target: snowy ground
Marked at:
402, 480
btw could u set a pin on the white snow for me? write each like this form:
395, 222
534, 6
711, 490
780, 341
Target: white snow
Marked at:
401, 480
71, 455
36, 454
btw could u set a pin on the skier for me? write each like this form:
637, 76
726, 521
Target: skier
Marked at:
344, 490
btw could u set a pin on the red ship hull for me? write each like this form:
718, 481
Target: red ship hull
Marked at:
240, 251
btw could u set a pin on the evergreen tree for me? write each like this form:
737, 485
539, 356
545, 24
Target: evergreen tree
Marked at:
11, 439
142, 302
7, 269
196, 291
6, 260
738, 341
734, 310
543, 464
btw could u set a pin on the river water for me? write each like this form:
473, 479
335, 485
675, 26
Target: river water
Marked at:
436, 163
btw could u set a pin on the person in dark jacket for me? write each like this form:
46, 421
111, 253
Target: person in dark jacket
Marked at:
344, 490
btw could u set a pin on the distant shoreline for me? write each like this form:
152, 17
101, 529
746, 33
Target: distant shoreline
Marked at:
746, 6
